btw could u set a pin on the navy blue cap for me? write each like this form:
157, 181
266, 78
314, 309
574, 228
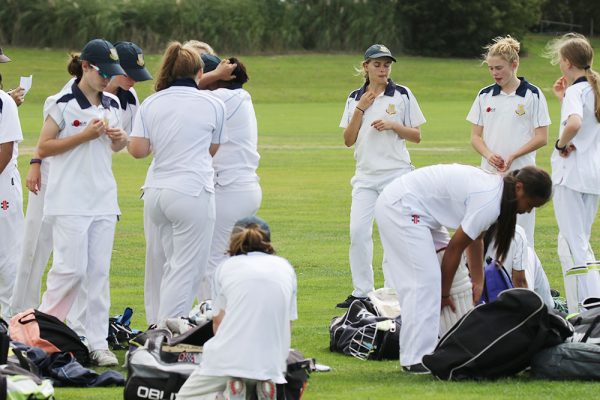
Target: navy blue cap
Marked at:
103, 55
3, 58
211, 62
131, 59
245, 222
378, 51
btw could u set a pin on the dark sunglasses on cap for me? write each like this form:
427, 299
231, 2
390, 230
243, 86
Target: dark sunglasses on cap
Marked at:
102, 74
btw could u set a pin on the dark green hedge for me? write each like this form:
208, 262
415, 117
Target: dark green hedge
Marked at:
428, 27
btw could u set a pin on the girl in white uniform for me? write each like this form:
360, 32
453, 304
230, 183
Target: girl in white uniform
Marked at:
237, 189
254, 304
11, 199
378, 119
510, 118
38, 232
412, 213
183, 127
81, 131
576, 162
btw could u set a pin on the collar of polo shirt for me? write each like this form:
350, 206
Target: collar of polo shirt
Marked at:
521, 89
83, 101
390, 88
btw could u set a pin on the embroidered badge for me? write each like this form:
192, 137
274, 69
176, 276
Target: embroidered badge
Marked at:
77, 123
490, 109
384, 49
391, 109
4, 205
520, 111
415, 219
140, 60
114, 55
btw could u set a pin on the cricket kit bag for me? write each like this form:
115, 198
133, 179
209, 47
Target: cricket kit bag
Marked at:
497, 339
586, 326
37, 329
363, 334
19, 384
496, 280
568, 361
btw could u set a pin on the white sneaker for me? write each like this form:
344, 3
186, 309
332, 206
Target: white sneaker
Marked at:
103, 358
266, 390
235, 390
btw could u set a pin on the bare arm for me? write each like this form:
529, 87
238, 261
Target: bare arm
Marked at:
213, 149
405, 132
6, 151
139, 147
223, 72
50, 145
217, 319
351, 131
570, 131
18, 95
475, 262
495, 160
519, 279
458, 243
118, 138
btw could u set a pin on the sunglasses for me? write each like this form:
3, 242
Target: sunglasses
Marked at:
102, 74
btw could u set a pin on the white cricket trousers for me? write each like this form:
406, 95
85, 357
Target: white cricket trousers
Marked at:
11, 235
208, 386
575, 213
232, 202
37, 247
82, 253
414, 270
365, 192
185, 226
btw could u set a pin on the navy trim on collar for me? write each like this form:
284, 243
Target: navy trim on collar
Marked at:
390, 89
521, 89
79, 96
83, 102
184, 82
125, 97
1, 105
580, 79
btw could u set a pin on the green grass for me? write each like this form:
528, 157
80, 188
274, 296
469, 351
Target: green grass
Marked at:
305, 173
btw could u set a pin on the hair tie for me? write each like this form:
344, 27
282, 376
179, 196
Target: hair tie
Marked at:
586, 67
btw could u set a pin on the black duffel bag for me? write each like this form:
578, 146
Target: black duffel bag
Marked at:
497, 339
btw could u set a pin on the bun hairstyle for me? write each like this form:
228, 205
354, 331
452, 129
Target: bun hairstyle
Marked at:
241, 75
248, 238
537, 184
505, 47
576, 49
74, 66
178, 62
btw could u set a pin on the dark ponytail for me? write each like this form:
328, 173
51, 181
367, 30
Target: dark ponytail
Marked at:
537, 185
249, 238
74, 66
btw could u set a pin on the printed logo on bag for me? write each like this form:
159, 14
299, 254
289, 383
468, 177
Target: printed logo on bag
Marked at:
4, 205
520, 111
144, 392
415, 219
391, 109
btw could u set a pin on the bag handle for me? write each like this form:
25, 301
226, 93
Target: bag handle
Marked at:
589, 330
21, 319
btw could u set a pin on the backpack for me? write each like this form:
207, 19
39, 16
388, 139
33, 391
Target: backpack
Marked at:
568, 361
497, 339
587, 326
37, 329
363, 334
496, 280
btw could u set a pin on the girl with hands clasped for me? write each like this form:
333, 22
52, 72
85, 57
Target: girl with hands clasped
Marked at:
82, 128
576, 162
378, 120
510, 118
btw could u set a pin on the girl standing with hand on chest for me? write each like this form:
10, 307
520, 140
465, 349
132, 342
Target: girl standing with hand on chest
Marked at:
378, 120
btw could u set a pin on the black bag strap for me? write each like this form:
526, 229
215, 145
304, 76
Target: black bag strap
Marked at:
589, 330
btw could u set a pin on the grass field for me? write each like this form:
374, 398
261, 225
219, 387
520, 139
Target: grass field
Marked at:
305, 172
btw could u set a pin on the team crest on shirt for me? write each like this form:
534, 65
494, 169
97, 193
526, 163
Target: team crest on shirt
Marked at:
114, 55
140, 60
520, 111
391, 109
4, 205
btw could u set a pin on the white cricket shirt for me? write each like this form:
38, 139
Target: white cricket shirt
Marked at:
10, 129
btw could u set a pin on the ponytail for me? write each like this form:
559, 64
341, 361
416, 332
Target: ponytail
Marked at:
178, 62
537, 185
593, 79
249, 238
74, 66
